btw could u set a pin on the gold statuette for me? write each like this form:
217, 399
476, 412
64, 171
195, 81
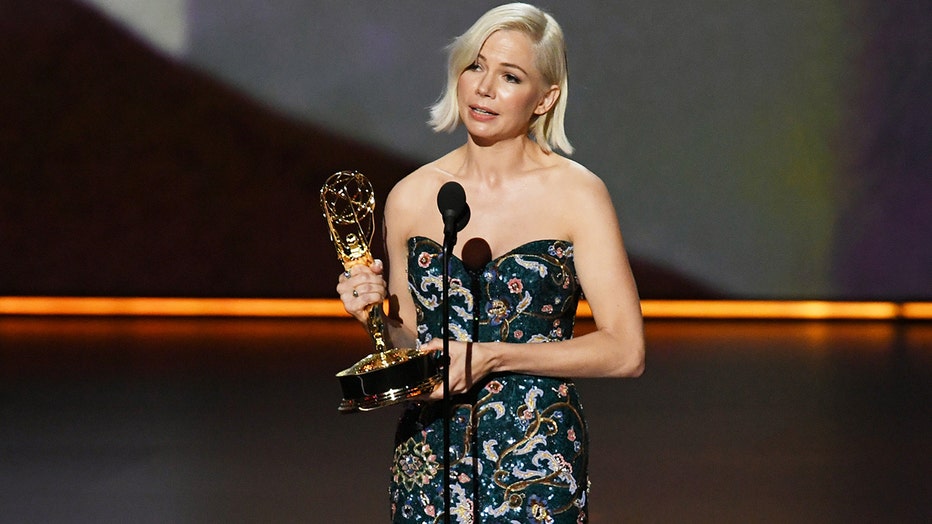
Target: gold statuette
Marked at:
389, 375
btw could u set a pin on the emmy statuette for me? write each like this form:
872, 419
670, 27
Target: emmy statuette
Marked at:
389, 375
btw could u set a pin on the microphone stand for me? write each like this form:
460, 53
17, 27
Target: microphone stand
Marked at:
449, 240
451, 201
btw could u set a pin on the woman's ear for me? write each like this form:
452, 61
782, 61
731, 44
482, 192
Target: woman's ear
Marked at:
547, 100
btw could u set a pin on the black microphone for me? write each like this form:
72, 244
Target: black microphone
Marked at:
451, 201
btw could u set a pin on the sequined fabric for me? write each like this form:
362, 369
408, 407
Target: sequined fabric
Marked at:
519, 443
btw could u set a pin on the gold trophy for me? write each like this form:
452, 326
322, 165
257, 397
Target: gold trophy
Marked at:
389, 375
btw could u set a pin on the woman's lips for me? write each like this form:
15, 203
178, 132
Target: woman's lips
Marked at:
482, 113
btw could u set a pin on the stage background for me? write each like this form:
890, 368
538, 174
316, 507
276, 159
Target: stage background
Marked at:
176, 148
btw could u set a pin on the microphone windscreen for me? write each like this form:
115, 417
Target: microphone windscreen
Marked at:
451, 200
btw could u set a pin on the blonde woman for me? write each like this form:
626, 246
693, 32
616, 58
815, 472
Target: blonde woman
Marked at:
542, 230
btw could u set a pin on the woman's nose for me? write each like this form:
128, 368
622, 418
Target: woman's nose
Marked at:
483, 86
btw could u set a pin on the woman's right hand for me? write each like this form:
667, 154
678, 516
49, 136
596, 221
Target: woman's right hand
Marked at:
361, 286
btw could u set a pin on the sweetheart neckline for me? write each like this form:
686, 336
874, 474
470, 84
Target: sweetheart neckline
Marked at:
493, 259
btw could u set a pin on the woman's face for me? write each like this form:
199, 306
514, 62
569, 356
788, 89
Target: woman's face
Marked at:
503, 89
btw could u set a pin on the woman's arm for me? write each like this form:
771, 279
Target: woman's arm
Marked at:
402, 311
366, 284
616, 347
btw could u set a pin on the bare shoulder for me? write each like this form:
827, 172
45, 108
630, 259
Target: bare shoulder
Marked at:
415, 194
419, 183
424, 180
583, 203
576, 183
409, 186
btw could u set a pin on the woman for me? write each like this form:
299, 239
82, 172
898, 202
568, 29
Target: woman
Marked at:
542, 229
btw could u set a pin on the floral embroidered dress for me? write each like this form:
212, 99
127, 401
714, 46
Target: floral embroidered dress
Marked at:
519, 443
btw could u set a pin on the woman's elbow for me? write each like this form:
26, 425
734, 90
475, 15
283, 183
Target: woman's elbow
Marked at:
631, 364
637, 369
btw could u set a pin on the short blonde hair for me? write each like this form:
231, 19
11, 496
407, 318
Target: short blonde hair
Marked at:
550, 57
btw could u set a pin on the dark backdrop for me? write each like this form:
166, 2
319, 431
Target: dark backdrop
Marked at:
123, 172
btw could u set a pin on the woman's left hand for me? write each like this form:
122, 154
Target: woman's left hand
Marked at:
470, 362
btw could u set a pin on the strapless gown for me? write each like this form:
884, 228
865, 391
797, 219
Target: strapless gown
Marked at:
518, 443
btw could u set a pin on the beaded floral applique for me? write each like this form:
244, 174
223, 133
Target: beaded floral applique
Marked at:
519, 443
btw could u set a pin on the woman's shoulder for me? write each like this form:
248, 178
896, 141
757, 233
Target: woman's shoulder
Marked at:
571, 176
418, 189
425, 179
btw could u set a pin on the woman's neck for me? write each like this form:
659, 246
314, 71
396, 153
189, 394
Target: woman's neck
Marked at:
503, 158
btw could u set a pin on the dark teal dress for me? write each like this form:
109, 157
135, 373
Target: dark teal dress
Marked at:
519, 443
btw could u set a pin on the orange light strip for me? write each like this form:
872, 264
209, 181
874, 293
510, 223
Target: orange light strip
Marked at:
917, 310
177, 307
332, 308
772, 309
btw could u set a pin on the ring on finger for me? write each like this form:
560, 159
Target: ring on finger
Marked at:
356, 293
347, 274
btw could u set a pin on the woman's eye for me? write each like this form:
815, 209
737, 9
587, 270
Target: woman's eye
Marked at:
473, 67
512, 78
